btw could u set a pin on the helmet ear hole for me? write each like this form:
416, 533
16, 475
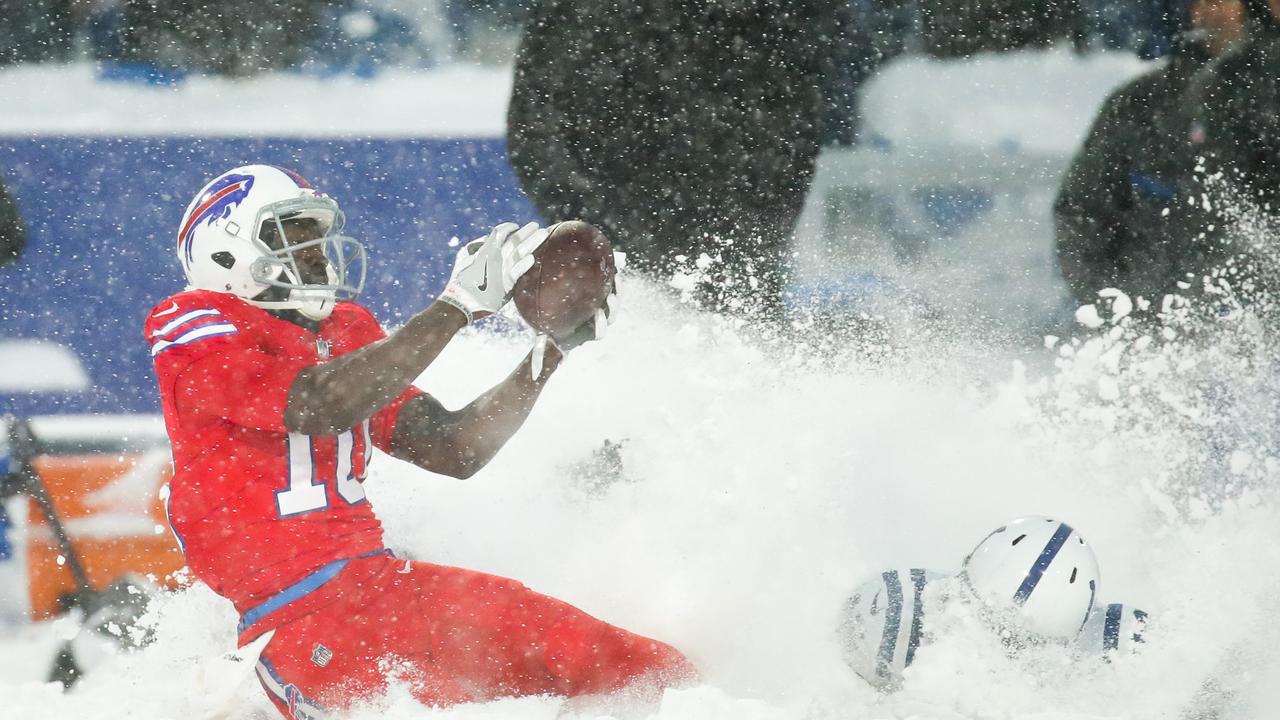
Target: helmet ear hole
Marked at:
1018, 539
224, 258
1073, 575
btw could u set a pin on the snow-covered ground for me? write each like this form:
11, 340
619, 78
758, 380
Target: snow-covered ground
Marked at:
763, 480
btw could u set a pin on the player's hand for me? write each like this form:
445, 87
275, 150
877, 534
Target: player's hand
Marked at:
594, 328
486, 269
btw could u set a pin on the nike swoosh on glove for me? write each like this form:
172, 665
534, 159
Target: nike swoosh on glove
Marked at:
486, 269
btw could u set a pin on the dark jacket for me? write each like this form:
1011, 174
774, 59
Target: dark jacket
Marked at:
1235, 103
675, 125
960, 28
13, 236
1234, 106
229, 37
1121, 217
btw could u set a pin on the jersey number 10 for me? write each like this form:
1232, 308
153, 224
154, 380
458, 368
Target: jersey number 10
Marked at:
307, 491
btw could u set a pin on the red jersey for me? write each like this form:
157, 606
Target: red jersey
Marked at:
265, 516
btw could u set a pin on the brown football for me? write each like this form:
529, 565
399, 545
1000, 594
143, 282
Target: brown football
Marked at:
572, 274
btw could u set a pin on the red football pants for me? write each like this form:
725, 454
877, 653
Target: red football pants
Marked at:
455, 636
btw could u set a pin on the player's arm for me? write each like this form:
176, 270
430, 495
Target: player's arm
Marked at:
459, 442
335, 396
216, 370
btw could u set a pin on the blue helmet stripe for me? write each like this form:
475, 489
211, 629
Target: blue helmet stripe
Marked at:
892, 622
1111, 628
917, 614
1047, 555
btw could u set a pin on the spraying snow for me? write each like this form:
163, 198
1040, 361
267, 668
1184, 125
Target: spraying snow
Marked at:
761, 481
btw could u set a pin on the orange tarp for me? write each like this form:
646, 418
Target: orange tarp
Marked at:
111, 507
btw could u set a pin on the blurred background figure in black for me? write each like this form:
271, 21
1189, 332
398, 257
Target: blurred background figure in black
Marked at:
680, 127
38, 30
1235, 107
959, 28
868, 33
1121, 216
13, 236
232, 37
483, 28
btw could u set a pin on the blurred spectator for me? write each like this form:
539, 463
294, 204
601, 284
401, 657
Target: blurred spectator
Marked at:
868, 33
1235, 104
360, 37
36, 30
1121, 217
681, 127
1146, 27
959, 28
13, 236
480, 24
230, 37
853, 61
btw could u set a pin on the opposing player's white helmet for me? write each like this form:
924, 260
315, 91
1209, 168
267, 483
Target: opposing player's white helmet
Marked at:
882, 623
1114, 627
221, 245
1036, 573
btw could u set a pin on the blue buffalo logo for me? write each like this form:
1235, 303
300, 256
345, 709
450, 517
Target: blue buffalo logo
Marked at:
217, 202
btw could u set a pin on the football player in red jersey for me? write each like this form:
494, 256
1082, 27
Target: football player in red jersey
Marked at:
275, 390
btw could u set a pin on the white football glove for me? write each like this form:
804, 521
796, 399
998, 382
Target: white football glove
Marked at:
486, 269
593, 329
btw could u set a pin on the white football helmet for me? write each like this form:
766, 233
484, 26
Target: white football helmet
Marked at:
1114, 627
223, 247
1036, 574
882, 623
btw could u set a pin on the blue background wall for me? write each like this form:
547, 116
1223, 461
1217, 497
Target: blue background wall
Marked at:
102, 214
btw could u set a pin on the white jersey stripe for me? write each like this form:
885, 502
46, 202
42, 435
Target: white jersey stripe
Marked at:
183, 319
191, 336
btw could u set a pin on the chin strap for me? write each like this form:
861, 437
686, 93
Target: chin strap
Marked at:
311, 308
316, 311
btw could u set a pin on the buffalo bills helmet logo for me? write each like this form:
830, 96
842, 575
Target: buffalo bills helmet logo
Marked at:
216, 203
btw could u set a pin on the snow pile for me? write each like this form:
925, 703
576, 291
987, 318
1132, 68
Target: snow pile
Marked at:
455, 101
1035, 101
39, 366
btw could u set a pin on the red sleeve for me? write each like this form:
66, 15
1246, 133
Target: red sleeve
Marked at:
242, 385
383, 425
209, 363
